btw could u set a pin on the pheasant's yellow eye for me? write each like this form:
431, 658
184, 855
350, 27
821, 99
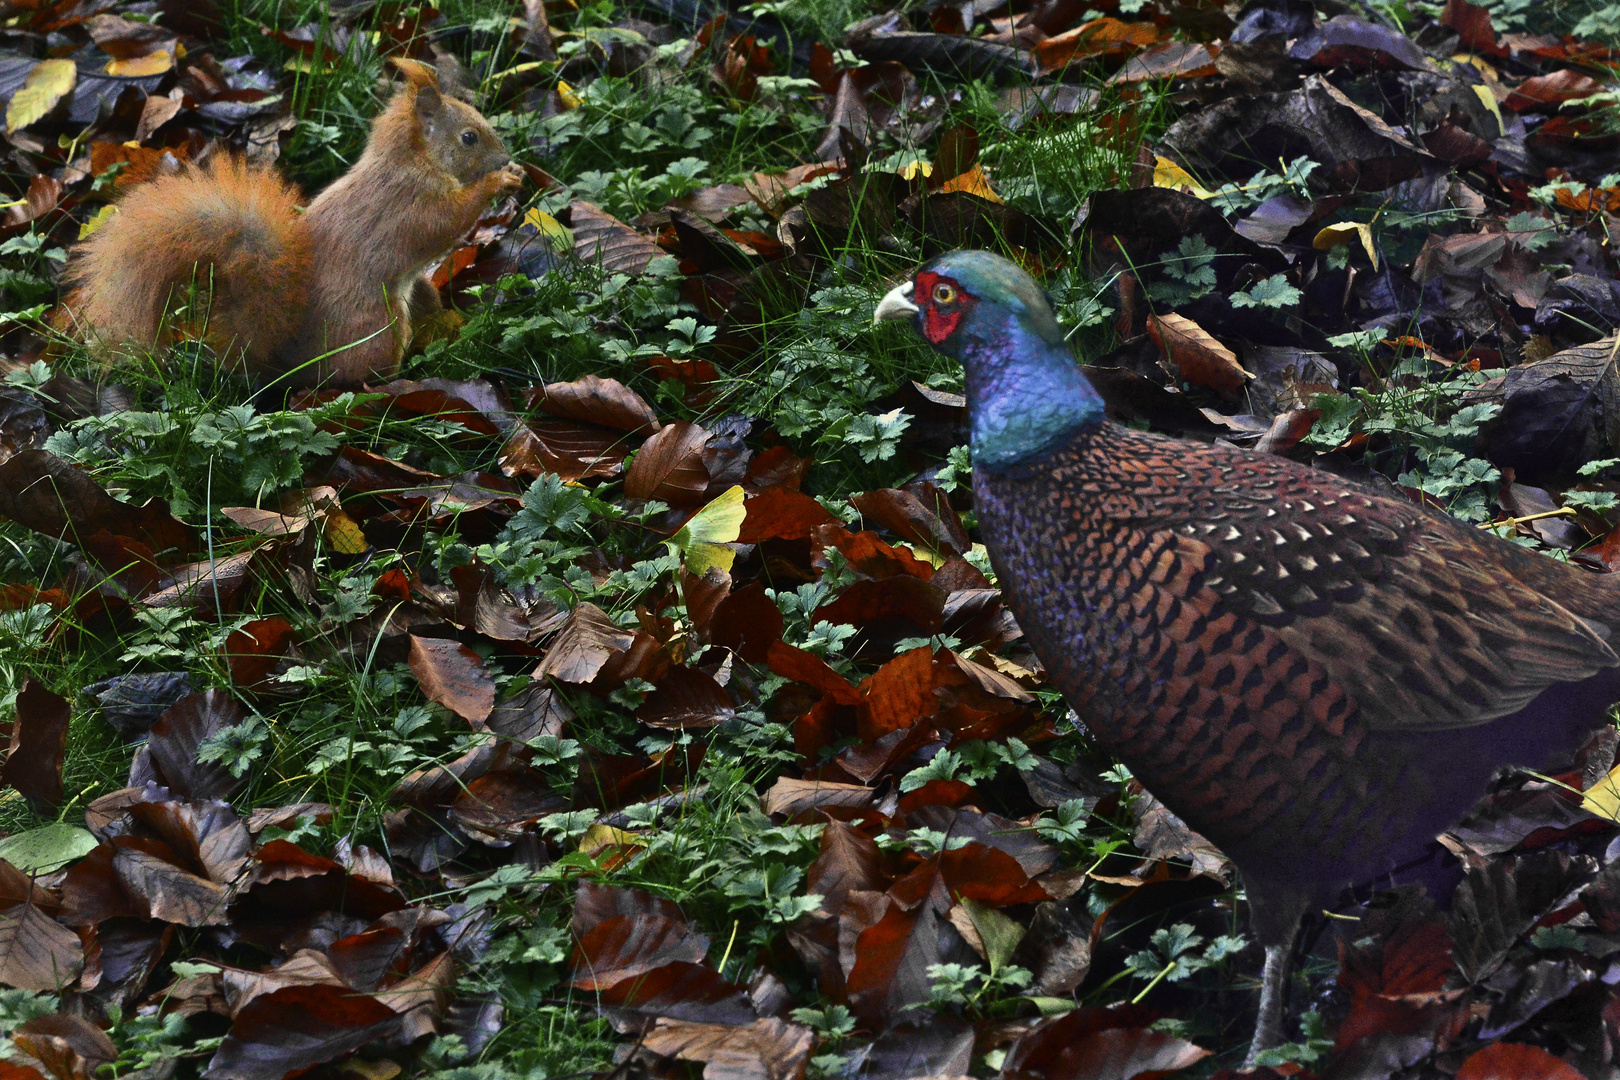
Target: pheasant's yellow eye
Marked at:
944, 294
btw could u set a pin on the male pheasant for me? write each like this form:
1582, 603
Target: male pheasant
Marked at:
1318, 678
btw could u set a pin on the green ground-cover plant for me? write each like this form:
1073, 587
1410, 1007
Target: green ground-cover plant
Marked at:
344, 729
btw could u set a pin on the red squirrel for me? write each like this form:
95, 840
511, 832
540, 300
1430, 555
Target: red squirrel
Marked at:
319, 296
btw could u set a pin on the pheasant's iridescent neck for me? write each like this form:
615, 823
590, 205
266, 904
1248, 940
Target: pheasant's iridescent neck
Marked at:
1025, 394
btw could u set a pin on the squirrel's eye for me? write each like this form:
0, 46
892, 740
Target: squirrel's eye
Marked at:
469, 137
944, 294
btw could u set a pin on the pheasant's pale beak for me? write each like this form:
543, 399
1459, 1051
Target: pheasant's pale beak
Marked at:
896, 304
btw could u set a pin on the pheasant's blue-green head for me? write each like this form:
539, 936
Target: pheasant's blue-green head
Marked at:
1026, 394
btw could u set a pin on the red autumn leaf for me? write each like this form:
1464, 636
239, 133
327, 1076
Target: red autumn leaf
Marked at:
610, 782
206, 837
92, 892
932, 524
70, 1047
594, 904
794, 663
1515, 1061
768, 1048
38, 745
1195, 355
392, 585
289, 885
255, 649
951, 793
1552, 90
1395, 985
686, 698
682, 990
1169, 60
1105, 36
892, 955
781, 513
867, 555
898, 694
912, 602
439, 399
363, 959
499, 807
777, 466
167, 893
1050, 1050
41, 491
1473, 25
849, 862
453, 675
747, 622
626, 946
789, 796
703, 595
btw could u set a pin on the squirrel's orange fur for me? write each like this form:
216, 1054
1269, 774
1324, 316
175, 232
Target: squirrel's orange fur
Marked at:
322, 295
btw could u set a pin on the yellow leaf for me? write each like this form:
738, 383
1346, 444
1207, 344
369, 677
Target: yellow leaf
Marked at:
1487, 98
568, 97
97, 220
141, 66
704, 536
924, 555
916, 168
1479, 63
344, 534
720, 522
1167, 174
1603, 797
555, 232
600, 836
381, 1069
1342, 233
703, 556
974, 182
48, 83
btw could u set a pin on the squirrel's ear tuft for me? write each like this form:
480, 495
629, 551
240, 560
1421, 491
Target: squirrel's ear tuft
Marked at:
429, 105
416, 73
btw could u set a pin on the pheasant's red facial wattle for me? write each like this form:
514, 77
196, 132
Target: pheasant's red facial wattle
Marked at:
943, 304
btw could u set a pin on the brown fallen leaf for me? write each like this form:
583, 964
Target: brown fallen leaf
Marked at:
1198, 358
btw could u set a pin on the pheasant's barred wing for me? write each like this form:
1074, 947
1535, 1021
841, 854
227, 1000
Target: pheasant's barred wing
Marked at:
1411, 613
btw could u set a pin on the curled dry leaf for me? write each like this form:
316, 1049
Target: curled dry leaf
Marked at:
669, 466
70, 1047
296, 1028
770, 1049
36, 951
177, 737
454, 676
584, 645
38, 745
599, 237
595, 400
1195, 355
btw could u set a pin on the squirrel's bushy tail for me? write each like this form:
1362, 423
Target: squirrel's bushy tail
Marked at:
229, 230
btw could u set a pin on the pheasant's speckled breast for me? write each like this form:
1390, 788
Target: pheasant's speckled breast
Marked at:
1315, 676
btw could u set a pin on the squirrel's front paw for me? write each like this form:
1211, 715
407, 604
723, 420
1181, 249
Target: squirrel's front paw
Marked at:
509, 178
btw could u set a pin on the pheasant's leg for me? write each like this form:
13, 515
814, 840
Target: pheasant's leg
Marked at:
1273, 979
